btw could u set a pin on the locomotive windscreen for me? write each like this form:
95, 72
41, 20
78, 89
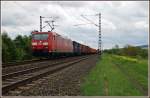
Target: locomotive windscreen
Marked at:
40, 36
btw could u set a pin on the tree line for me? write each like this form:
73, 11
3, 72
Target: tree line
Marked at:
18, 49
128, 50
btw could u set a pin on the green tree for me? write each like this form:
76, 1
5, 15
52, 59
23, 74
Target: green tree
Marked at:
8, 48
23, 47
17, 49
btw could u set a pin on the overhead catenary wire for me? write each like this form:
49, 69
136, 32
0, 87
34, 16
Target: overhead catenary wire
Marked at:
72, 17
81, 24
31, 14
99, 30
20, 5
89, 20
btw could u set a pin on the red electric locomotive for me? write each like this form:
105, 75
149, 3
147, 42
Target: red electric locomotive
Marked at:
50, 43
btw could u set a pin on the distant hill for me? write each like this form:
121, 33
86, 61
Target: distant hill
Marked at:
143, 46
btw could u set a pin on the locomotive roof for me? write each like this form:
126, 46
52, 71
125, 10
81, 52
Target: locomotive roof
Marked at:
54, 33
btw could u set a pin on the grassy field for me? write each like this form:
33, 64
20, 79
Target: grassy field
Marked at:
117, 76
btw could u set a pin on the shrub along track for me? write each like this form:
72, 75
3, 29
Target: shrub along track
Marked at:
64, 82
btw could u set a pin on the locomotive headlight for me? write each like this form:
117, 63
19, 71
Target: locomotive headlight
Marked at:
45, 43
34, 43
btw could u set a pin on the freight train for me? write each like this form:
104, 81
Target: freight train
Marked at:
54, 45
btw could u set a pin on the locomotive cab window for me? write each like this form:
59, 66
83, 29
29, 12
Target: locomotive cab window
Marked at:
40, 36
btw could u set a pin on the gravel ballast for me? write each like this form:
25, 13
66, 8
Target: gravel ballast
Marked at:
65, 82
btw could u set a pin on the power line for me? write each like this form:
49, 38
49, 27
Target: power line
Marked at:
99, 29
72, 17
81, 24
18, 4
89, 20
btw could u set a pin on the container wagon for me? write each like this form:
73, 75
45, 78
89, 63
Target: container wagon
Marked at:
76, 48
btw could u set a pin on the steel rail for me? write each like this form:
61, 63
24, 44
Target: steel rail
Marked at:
13, 85
5, 76
10, 64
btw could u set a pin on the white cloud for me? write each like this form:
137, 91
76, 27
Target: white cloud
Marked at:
123, 22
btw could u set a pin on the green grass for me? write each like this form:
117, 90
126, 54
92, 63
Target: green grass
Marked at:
115, 76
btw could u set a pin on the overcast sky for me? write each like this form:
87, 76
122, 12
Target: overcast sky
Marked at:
123, 22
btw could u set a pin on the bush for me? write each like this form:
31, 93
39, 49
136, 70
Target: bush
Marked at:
16, 50
129, 50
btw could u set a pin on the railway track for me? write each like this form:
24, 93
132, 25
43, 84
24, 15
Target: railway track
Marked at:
15, 67
13, 80
22, 69
16, 63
